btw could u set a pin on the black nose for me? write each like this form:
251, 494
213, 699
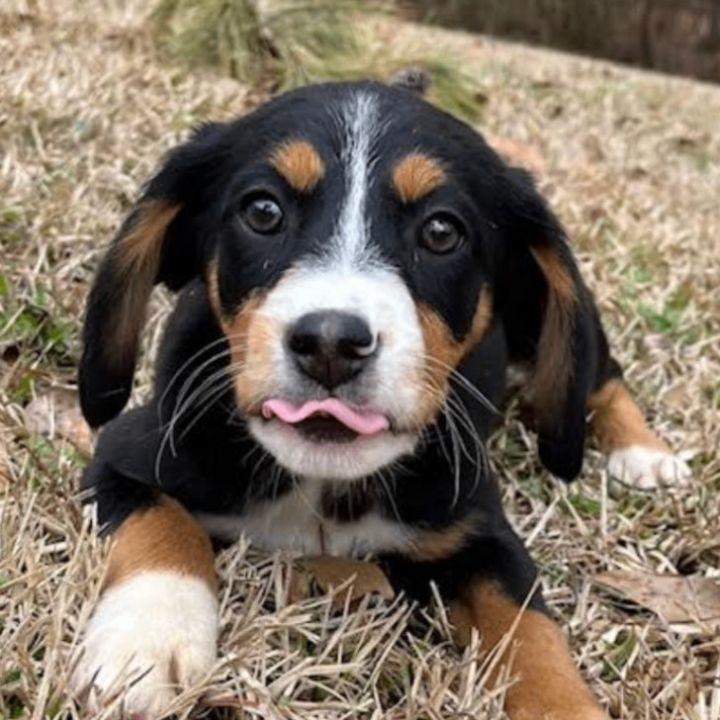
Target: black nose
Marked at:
331, 347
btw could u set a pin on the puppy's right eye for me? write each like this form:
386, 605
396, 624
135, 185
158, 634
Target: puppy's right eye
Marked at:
441, 234
262, 214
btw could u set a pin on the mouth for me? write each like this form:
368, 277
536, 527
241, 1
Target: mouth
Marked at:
329, 439
327, 421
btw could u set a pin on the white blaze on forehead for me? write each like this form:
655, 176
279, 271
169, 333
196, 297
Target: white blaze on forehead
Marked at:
349, 246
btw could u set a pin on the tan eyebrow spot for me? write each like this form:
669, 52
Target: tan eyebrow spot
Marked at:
299, 163
415, 176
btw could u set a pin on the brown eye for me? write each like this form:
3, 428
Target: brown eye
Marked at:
441, 234
262, 214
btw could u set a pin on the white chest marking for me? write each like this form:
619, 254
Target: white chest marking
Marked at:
294, 523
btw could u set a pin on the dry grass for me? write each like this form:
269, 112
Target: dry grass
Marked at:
86, 109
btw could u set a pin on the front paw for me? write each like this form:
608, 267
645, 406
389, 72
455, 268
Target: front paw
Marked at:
151, 636
648, 468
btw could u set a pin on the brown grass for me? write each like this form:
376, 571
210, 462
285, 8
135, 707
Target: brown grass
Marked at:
86, 109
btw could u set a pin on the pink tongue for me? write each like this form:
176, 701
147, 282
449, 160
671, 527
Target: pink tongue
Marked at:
363, 422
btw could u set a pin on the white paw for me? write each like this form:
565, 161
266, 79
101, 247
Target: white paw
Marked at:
648, 468
150, 637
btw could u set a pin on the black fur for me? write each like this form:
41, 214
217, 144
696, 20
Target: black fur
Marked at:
210, 463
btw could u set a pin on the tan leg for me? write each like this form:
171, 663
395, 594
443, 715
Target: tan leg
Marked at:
154, 630
547, 685
636, 455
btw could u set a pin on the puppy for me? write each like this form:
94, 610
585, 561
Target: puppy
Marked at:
357, 270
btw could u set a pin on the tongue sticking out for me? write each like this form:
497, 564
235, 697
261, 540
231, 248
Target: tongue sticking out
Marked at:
363, 422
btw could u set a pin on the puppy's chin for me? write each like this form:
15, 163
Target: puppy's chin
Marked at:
343, 461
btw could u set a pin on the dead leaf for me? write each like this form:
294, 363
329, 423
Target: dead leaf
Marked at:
57, 414
516, 152
674, 598
355, 578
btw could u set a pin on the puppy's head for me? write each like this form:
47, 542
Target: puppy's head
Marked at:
356, 244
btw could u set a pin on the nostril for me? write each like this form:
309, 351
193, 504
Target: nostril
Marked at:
354, 338
366, 348
304, 343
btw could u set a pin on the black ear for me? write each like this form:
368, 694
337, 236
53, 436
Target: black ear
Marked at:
158, 242
551, 324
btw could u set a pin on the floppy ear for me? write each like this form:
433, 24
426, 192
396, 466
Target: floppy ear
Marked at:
158, 242
550, 322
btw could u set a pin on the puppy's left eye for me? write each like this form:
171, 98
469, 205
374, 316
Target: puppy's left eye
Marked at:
441, 234
262, 214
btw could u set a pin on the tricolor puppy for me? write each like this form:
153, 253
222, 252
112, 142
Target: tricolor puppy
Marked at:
357, 270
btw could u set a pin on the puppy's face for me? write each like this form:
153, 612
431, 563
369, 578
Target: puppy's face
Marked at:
356, 244
349, 280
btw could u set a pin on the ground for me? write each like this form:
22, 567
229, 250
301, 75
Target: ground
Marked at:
631, 163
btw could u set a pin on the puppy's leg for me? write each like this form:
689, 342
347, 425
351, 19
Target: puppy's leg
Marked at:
154, 630
536, 659
636, 455
485, 584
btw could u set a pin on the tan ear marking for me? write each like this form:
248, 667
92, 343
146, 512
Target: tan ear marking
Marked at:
137, 258
140, 248
554, 353
299, 163
556, 275
416, 176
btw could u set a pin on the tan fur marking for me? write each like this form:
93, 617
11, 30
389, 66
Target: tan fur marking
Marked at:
299, 163
554, 360
440, 544
554, 272
444, 353
251, 337
211, 281
617, 420
162, 537
416, 176
548, 685
137, 257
